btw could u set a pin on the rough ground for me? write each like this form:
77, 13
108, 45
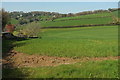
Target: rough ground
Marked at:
16, 59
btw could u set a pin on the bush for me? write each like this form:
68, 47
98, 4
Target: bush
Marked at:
23, 21
31, 29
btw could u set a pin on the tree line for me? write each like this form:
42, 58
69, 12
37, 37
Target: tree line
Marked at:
34, 16
29, 17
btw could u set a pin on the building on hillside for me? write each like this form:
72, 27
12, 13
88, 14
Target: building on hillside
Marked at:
7, 34
9, 28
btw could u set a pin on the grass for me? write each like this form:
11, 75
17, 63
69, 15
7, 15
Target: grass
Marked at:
6, 45
45, 17
90, 69
116, 13
105, 20
70, 42
105, 14
98, 18
14, 21
98, 41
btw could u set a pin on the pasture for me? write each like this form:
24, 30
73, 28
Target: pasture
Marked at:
98, 41
95, 48
93, 21
90, 19
101, 14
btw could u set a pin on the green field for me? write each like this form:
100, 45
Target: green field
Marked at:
14, 21
116, 13
105, 20
90, 19
73, 43
98, 18
100, 41
90, 69
81, 42
103, 14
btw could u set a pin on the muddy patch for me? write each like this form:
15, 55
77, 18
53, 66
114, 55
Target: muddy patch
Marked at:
24, 60
16, 59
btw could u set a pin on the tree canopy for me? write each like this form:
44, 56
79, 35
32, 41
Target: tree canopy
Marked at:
5, 18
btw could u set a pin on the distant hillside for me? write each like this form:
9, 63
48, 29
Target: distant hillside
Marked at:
52, 19
100, 18
88, 16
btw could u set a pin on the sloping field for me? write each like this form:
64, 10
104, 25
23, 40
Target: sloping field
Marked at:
98, 41
93, 21
90, 19
58, 50
116, 13
84, 52
103, 14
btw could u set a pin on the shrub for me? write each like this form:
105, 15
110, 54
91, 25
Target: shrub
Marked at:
116, 20
31, 29
23, 21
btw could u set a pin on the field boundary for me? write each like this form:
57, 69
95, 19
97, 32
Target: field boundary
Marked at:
90, 25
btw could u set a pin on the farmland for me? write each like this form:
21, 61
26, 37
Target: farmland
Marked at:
89, 19
104, 14
98, 41
59, 52
93, 21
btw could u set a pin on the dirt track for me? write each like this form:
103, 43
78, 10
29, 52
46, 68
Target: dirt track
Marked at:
16, 59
